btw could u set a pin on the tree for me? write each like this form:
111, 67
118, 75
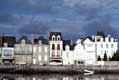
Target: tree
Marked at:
110, 59
99, 58
105, 57
115, 57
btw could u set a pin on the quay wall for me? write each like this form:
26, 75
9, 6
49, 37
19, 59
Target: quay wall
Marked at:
56, 69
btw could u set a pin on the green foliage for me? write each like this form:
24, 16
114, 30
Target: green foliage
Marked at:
115, 57
110, 58
105, 57
99, 58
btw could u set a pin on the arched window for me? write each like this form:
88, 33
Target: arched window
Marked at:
101, 39
58, 38
58, 46
106, 39
112, 39
67, 47
53, 37
53, 46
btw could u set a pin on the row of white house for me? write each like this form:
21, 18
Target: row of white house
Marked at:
56, 51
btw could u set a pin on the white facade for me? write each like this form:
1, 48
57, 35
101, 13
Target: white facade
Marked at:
55, 53
79, 53
7, 53
84, 52
90, 55
108, 45
56, 48
41, 54
68, 56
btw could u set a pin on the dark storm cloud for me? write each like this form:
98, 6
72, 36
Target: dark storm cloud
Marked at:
6, 18
72, 17
29, 6
33, 28
95, 18
7, 30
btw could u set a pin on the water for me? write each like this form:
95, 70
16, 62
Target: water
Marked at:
58, 77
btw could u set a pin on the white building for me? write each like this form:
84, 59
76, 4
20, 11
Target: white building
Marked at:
41, 51
68, 55
79, 53
23, 51
90, 49
56, 48
7, 54
87, 50
84, 52
105, 44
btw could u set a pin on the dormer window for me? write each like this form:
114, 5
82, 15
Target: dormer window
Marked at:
58, 38
101, 39
112, 39
5, 44
23, 41
40, 42
106, 39
53, 37
67, 47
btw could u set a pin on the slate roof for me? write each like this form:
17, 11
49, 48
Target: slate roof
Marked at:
72, 46
90, 38
101, 34
50, 34
11, 40
44, 41
66, 42
25, 38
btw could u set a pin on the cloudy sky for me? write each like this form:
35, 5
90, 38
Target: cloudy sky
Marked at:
74, 18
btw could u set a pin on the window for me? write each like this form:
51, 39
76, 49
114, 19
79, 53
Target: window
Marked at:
53, 46
39, 57
112, 45
106, 45
58, 46
46, 49
101, 45
58, 55
58, 37
53, 37
39, 49
101, 52
5, 44
34, 49
101, 39
53, 54
45, 59
106, 39
23, 41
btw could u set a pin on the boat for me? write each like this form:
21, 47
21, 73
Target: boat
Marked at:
88, 72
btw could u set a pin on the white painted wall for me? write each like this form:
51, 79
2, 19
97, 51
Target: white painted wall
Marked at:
68, 56
85, 52
79, 53
7, 53
106, 46
90, 56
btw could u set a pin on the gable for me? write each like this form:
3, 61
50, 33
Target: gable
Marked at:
87, 40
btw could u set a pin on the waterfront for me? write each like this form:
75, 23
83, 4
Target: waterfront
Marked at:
59, 77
